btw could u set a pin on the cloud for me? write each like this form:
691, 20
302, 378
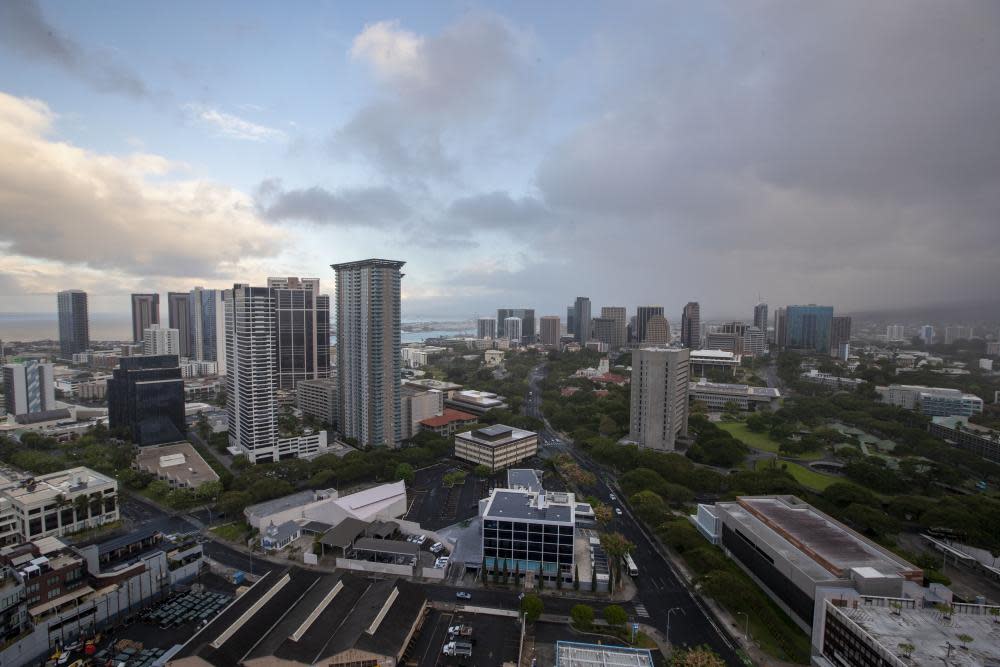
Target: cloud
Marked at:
231, 126
498, 210
25, 30
124, 215
366, 206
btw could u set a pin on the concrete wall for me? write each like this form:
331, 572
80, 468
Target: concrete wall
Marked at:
368, 566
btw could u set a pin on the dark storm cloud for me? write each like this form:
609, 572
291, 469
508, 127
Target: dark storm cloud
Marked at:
24, 29
375, 207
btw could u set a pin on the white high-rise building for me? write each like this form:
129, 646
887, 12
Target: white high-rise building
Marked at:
28, 388
755, 341
659, 411
369, 365
208, 327
512, 329
895, 332
158, 339
486, 327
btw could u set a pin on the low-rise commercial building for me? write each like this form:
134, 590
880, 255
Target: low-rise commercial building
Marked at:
448, 422
497, 447
493, 358
55, 504
718, 396
830, 380
385, 502
418, 355
704, 361
931, 401
179, 465
476, 402
446, 388
959, 432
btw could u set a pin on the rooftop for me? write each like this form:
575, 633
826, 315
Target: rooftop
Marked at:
713, 354
447, 417
281, 504
496, 435
179, 460
574, 654
430, 383
524, 478
735, 389
511, 504
47, 487
478, 398
953, 422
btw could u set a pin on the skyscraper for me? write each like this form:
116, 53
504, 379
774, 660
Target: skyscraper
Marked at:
146, 399
512, 329
581, 319
570, 321
158, 340
145, 311
527, 317
620, 316
604, 330
303, 334
179, 317
74, 323
657, 331
760, 316
659, 408
780, 328
208, 327
486, 327
808, 328
28, 388
895, 332
368, 350
927, 334
550, 330
642, 315
840, 334
691, 325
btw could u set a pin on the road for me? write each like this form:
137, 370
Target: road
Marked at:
660, 589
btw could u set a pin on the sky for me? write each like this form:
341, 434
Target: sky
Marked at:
514, 155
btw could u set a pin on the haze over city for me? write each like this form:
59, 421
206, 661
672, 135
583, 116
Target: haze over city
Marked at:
511, 153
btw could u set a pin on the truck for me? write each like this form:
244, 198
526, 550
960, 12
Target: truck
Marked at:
460, 631
239, 577
457, 648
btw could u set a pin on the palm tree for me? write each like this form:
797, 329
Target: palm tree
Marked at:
907, 649
81, 504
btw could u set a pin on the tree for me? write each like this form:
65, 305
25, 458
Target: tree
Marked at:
965, 639
603, 514
907, 649
404, 472
482, 471
532, 608
616, 546
231, 503
615, 616
697, 657
582, 615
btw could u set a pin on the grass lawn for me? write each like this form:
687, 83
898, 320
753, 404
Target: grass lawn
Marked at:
234, 532
809, 477
762, 441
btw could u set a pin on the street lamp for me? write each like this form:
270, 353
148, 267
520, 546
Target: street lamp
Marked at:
746, 632
670, 611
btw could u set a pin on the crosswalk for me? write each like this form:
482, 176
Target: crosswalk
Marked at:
640, 610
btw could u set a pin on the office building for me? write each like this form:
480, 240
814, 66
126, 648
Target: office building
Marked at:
808, 328
158, 339
931, 401
29, 388
529, 532
718, 396
476, 402
642, 316
418, 355
728, 341
302, 318
550, 330
179, 317
954, 334
74, 323
760, 316
369, 367
318, 399
497, 446
691, 325
208, 327
145, 313
657, 331
706, 361
527, 316
486, 327
927, 334
620, 334
56, 504
178, 464
993, 348
792, 549
895, 332
570, 320
581, 319
659, 409
959, 432
146, 400
419, 403
831, 380
448, 423
754, 342
840, 336
493, 358
780, 334
604, 330
512, 329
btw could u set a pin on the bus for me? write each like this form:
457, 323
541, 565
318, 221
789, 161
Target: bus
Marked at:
629, 565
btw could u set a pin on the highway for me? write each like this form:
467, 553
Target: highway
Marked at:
659, 587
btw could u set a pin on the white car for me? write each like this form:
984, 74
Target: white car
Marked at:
420, 540
618, 511
612, 496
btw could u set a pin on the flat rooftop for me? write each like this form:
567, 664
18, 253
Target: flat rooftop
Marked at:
179, 460
720, 355
925, 630
575, 654
820, 546
281, 504
47, 487
524, 478
734, 389
496, 435
508, 504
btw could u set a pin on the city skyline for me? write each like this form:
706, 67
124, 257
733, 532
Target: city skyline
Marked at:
200, 149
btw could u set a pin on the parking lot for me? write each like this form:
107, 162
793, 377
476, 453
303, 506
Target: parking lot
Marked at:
433, 506
495, 639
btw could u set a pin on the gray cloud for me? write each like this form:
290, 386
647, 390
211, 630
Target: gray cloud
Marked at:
24, 29
366, 207
497, 210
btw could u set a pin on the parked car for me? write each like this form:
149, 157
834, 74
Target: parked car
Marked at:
618, 511
612, 496
437, 547
462, 595
421, 539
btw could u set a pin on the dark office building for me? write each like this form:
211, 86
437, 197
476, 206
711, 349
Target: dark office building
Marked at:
303, 330
840, 332
691, 325
146, 397
527, 316
145, 312
642, 315
808, 328
581, 319
179, 317
74, 323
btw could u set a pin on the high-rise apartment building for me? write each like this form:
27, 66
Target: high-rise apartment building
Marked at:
146, 399
145, 312
620, 336
252, 377
179, 317
302, 318
927, 334
527, 317
581, 319
840, 335
74, 323
368, 350
208, 327
28, 388
956, 333
550, 330
486, 327
657, 331
754, 342
760, 316
780, 335
808, 328
642, 315
691, 325
512, 329
659, 409
895, 332
158, 339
